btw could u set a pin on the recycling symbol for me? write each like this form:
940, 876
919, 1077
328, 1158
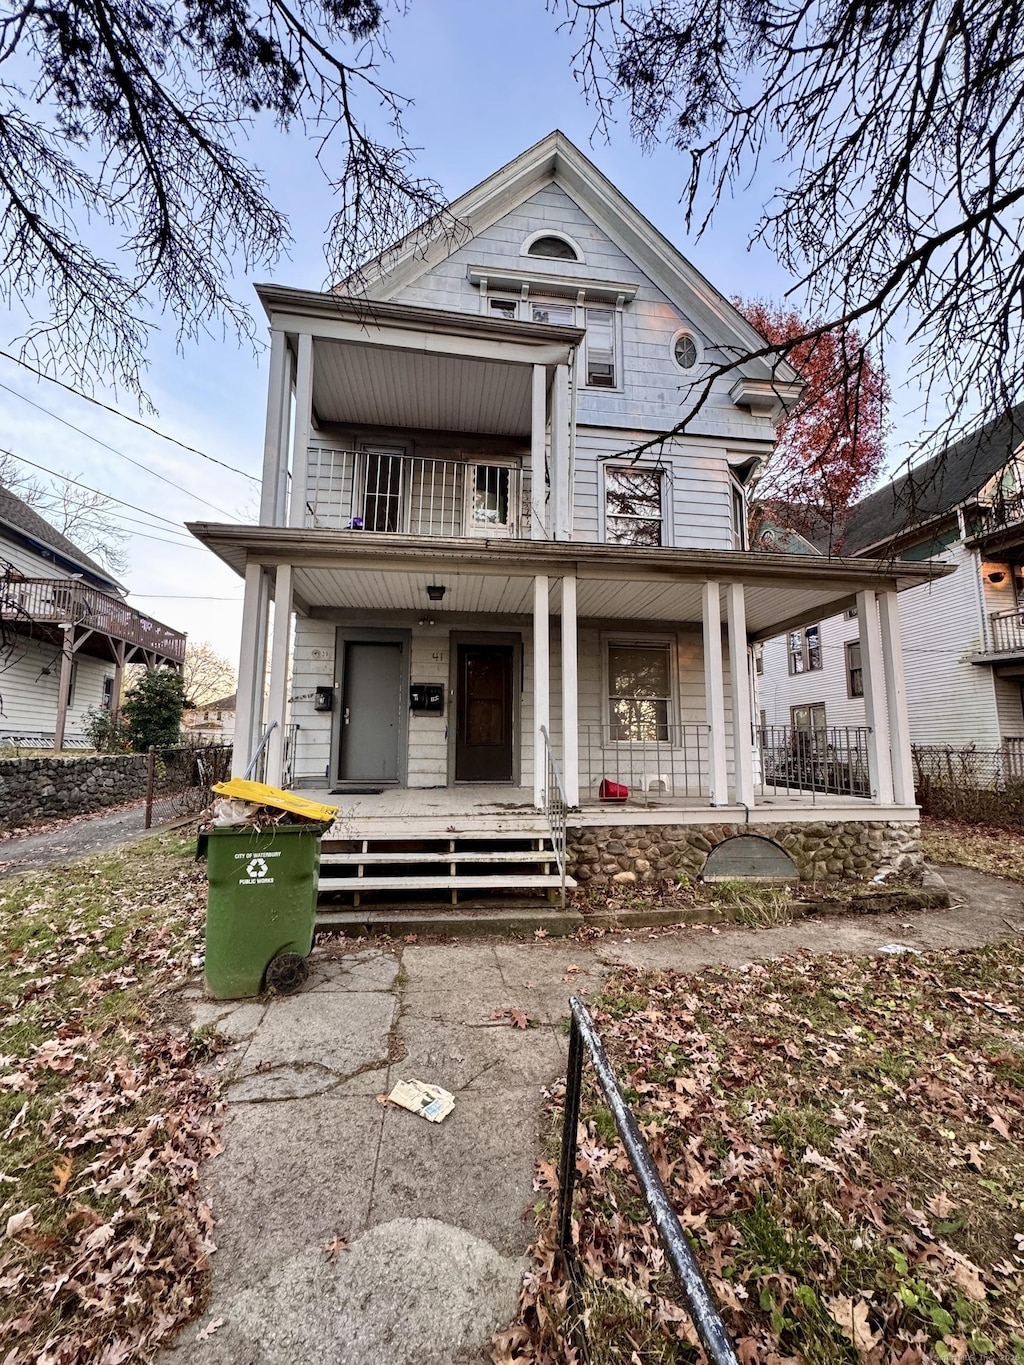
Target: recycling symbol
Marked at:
256, 867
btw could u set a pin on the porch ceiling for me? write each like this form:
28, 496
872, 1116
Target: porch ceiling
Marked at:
381, 386
380, 572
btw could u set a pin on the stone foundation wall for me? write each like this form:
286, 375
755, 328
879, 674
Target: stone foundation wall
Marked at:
859, 849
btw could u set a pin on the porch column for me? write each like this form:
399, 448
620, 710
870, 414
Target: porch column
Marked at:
739, 679
252, 662
896, 700
570, 693
714, 695
303, 424
538, 449
275, 440
117, 682
875, 717
541, 671
67, 658
277, 701
561, 492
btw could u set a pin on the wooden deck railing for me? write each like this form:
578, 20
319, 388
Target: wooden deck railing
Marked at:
62, 601
1006, 631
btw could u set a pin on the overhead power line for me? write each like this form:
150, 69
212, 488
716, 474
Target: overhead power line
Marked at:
113, 450
66, 478
184, 596
135, 421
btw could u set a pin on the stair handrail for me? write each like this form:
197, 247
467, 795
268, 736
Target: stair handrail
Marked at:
264, 741
556, 806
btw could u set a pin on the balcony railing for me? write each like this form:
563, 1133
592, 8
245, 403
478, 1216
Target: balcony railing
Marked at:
832, 761
1003, 512
672, 761
1006, 631
62, 601
375, 490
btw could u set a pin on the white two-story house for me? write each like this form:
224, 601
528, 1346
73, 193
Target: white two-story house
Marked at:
962, 636
504, 599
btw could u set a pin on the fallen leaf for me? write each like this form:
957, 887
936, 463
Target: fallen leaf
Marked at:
18, 1222
62, 1174
851, 1317
335, 1246
212, 1326
518, 1019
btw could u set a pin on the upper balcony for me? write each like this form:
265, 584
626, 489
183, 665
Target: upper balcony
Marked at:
997, 527
53, 604
380, 489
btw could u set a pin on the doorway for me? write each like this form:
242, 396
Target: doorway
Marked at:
484, 711
372, 711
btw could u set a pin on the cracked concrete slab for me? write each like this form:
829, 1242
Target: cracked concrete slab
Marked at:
369, 969
344, 1031
292, 1082
492, 1057
446, 1291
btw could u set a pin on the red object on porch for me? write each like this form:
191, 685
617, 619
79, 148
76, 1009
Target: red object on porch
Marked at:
612, 791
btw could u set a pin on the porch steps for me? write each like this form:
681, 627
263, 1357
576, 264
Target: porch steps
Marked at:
421, 868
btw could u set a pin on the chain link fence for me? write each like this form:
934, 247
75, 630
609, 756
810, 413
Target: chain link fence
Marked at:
178, 781
982, 786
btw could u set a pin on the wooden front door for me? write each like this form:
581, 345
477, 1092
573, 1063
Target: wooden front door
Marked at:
483, 707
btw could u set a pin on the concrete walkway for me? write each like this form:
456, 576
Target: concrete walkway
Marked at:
80, 837
437, 1218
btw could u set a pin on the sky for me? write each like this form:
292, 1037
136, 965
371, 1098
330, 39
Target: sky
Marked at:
484, 89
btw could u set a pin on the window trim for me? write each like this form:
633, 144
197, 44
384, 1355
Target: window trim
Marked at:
687, 332
737, 489
479, 530
847, 646
571, 242
616, 640
579, 312
664, 471
805, 653
809, 706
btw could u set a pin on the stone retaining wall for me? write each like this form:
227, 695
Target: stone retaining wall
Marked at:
33, 790
860, 849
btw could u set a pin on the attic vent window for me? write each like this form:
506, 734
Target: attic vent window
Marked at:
554, 248
684, 351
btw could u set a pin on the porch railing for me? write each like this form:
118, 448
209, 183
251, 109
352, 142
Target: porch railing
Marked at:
556, 806
830, 761
671, 762
361, 490
1006, 631
62, 601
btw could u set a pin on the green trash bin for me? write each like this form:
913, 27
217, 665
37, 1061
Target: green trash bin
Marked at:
261, 907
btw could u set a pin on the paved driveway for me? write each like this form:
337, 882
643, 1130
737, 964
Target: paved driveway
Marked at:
437, 1217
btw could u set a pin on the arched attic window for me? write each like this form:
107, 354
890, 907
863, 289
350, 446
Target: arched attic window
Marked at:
553, 248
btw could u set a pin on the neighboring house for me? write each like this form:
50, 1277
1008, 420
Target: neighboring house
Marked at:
963, 636
213, 722
486, 579
66, 634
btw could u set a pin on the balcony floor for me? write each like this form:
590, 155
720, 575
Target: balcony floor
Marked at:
432, 812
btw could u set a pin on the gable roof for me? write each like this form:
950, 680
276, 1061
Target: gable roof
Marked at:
936, 487
554, 159
29, 526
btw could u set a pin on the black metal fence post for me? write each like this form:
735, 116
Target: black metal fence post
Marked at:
150, 783
698, 1298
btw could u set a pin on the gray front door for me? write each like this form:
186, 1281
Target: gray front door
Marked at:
371, 712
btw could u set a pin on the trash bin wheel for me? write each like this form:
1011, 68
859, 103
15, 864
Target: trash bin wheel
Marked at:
286, 973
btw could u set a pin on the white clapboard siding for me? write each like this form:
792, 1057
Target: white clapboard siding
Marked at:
653, 391
29, 687
949, 699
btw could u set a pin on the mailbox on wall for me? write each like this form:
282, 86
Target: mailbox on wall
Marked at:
427, 698
323, 699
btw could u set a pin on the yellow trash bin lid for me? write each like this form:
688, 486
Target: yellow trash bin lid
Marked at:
260, 794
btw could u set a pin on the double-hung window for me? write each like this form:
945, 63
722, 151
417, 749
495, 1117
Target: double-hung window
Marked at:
600, 354
854, 671
557, 314
490, 501
639, 692
633, 506
738, 516
805, 650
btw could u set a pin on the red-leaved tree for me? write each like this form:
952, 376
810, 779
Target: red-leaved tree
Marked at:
831, 444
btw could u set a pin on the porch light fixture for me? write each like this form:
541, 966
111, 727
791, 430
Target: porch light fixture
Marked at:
996, 576
436, 592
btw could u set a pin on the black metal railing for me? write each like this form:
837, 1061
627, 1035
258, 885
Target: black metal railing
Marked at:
178, 780
698, 1299
831, 760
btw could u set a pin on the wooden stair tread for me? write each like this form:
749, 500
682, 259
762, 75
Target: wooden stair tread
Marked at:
526, 855
512, 882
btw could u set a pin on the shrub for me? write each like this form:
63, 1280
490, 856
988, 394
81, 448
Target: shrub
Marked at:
153, 709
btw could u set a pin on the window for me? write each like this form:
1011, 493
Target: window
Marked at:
632, 504
600, 323
503, 308
854, 672
759, 660
382, 491
639, 692
809, 719
108, 693
554, 248
805, 650
490, 506
738, 516
850, 613
684, 351
558, 314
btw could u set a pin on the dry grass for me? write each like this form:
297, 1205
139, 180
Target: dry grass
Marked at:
984, 847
